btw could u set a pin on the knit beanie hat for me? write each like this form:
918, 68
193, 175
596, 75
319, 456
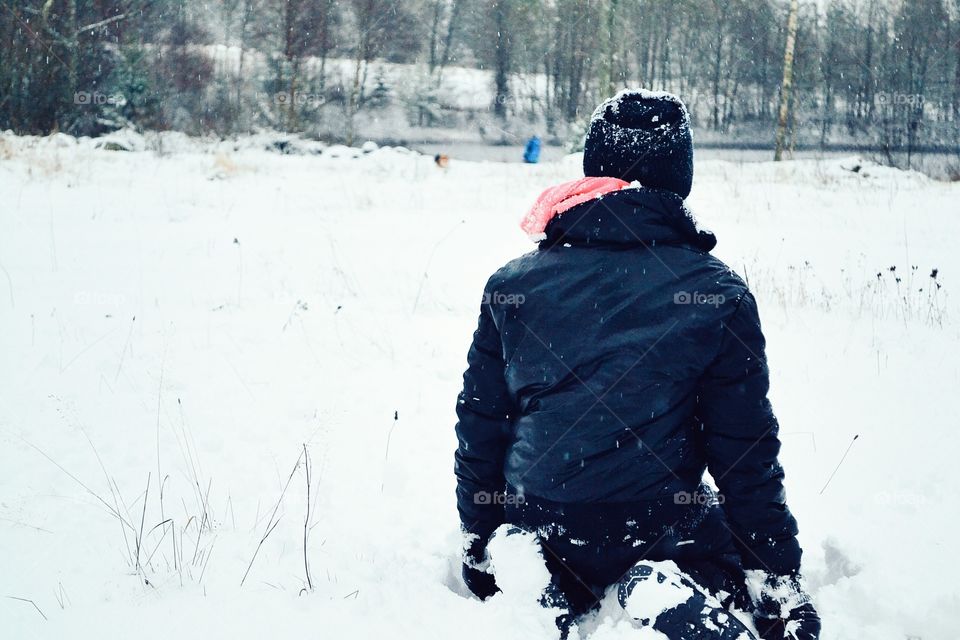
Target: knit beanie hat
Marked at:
644, 136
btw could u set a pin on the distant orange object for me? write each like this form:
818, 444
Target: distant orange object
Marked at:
442, 160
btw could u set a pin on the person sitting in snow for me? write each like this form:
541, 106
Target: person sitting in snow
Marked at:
611, 368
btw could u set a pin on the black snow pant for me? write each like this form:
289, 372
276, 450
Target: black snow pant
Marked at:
589, 548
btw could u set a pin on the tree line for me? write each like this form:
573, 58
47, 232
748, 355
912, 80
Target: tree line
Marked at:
883, 72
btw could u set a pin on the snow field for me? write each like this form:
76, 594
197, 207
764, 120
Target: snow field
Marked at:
183, 324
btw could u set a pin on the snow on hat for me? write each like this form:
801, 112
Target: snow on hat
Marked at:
644, 136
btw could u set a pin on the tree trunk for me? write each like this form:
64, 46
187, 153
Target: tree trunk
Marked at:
244, 23
434, 35
787, 79
352, 101
717, 60
452, 25
501, 61
610, 72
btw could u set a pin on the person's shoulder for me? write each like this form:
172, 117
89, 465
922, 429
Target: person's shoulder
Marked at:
725, 274
512, 270
723, 281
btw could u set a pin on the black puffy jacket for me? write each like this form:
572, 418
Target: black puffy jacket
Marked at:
615, 364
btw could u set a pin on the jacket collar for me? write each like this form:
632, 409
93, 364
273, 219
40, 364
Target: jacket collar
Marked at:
562, 197
635, 216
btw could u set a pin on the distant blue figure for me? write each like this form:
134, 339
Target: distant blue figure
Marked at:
531, 155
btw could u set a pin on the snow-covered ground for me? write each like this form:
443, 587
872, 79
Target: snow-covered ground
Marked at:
182, 332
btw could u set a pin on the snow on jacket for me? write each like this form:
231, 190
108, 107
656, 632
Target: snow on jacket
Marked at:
616, 364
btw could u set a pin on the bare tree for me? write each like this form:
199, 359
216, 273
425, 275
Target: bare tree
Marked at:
784, 112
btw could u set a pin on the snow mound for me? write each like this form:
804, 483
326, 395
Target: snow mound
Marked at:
871, 170
830, 172
623, 629
517, 561
123, 140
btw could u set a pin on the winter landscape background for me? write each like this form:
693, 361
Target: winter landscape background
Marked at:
881, 77
236, 294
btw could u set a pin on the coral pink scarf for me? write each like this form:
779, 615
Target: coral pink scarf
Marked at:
562, 197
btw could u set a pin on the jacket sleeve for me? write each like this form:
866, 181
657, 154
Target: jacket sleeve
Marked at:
741, 439
484, 410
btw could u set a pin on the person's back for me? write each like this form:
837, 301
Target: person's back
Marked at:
611, 368
607, 350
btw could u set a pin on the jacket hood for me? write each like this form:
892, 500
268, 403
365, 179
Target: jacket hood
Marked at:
561, 197
635, 216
